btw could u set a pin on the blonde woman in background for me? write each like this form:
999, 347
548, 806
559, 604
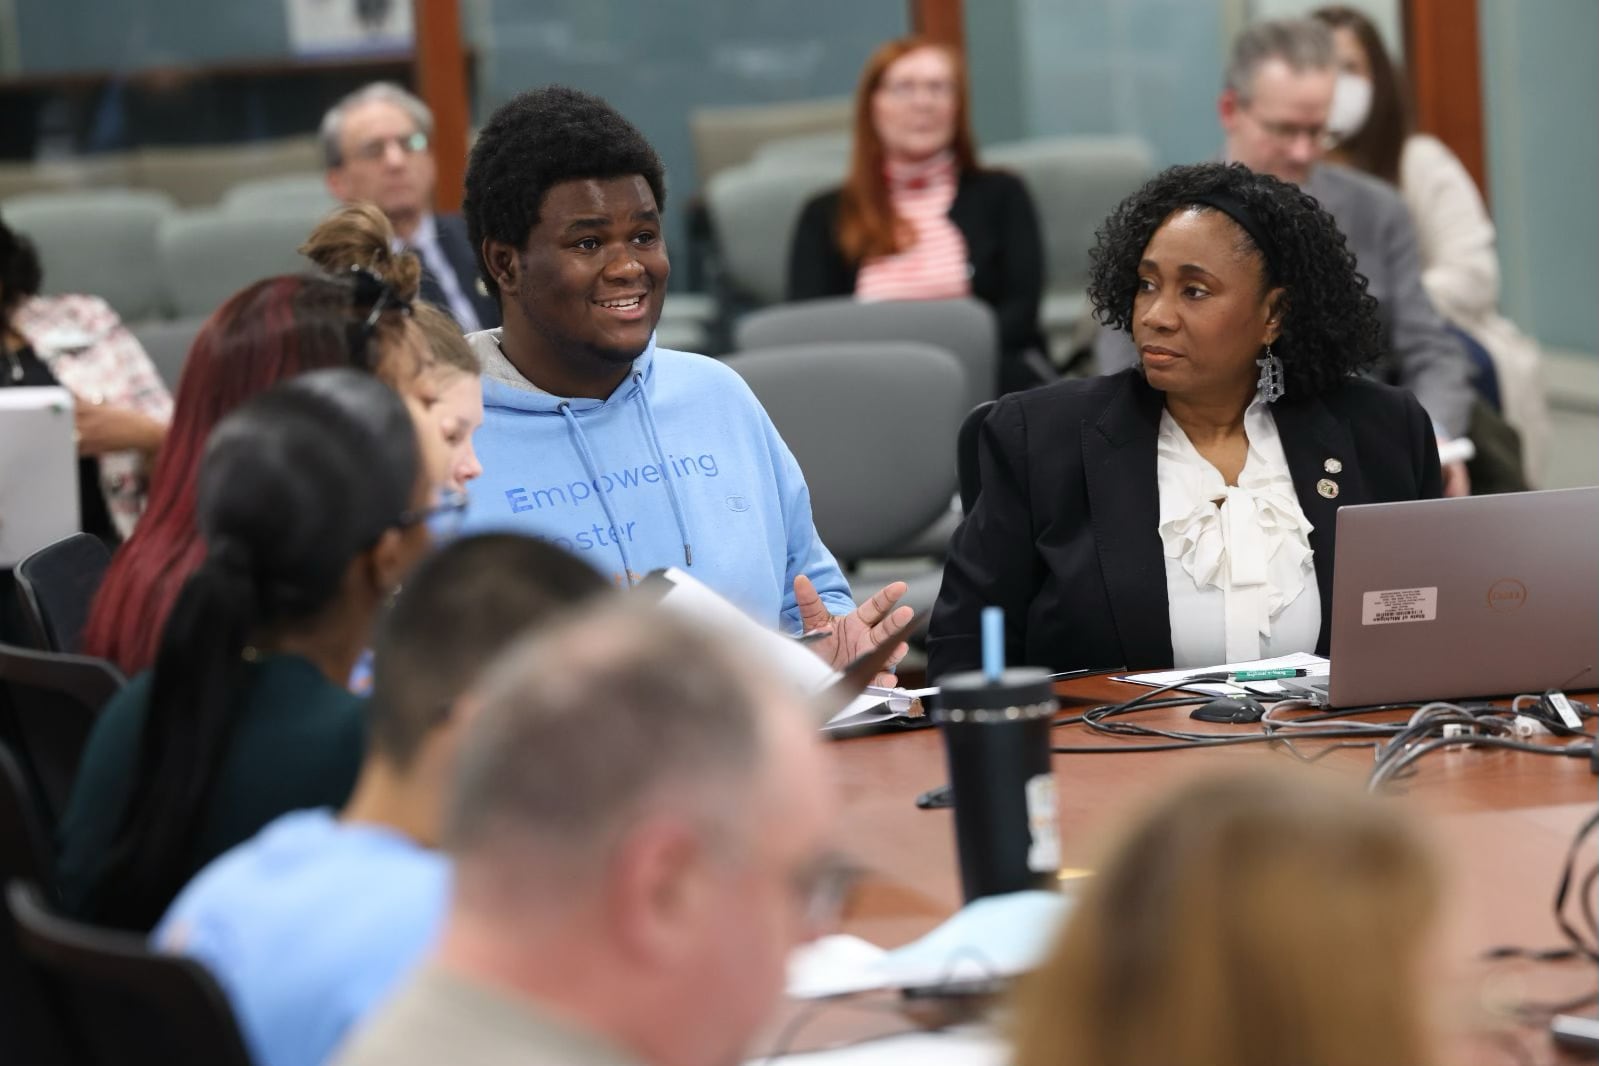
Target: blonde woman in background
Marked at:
1460, 263
359, 235
1252, 920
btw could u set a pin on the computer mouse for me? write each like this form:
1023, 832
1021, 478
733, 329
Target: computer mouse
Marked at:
1238, 709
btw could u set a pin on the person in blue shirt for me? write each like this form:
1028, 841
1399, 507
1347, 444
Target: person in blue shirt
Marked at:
310, 924
633, 456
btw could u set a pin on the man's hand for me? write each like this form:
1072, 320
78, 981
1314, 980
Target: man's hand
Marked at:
853, 634
103, 428
1456, 481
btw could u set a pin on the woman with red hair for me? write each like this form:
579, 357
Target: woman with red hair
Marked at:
917, 218
274, 329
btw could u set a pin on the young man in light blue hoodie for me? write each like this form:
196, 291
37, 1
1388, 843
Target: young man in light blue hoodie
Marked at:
632, 456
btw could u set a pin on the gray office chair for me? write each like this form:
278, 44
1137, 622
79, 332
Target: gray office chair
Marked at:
806, 148
873, 427
167, 343
753, 211
101, 242
1075, 183
286, 192
965, 328
727, 137
208, 255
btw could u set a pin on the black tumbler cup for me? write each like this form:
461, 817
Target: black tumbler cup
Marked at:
996, 735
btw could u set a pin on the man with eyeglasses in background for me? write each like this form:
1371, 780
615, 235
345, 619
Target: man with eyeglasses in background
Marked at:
376, 142
1274, 107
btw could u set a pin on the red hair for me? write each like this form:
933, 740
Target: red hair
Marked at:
867, 224
272, 330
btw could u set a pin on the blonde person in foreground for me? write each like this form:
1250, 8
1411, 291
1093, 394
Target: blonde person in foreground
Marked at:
1250, 920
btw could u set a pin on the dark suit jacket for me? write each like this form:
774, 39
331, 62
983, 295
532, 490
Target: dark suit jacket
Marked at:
1065, 536
457, 248
1005, 253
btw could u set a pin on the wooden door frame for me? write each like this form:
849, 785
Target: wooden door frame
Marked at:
441, 81
1444, 64
942, 20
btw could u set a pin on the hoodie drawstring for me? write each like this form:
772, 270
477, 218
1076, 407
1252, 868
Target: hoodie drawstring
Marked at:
594, 478
660, 461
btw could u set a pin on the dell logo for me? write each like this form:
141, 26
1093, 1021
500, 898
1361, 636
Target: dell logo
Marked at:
1507, 594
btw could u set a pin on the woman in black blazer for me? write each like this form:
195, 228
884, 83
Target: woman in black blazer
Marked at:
1243, 301
913, 145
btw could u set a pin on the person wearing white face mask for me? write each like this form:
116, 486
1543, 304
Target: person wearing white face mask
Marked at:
1371, 123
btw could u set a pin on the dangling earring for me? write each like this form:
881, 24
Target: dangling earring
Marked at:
1271, 376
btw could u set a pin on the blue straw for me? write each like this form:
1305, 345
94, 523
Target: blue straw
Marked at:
993, 643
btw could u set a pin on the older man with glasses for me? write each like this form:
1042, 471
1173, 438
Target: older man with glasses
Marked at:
640, 826
1273, 110
376, 142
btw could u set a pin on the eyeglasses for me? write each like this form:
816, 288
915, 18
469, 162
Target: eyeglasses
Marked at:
906, 88
377, 148
443, 519
372, 292
1290, 132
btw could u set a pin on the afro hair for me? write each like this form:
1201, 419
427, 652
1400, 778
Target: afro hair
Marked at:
1330, 325
536, 141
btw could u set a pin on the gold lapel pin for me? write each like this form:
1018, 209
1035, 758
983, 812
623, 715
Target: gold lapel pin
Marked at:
1333, 466
1328, 488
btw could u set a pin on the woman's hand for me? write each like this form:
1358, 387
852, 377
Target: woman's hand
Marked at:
1456, 481
853, 634
103, 428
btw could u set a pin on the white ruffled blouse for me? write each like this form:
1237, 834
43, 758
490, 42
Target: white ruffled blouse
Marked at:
1240, 575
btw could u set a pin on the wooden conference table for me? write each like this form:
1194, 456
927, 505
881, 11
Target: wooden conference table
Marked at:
1500, 821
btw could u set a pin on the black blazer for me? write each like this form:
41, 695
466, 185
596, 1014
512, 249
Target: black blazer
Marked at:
1065, 533
457, 248
995, 215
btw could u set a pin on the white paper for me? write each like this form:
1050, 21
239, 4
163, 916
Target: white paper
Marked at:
1299, 660
804, 668
989, 938
962, 1046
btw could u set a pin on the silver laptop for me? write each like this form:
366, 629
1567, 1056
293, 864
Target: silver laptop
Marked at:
1454, 599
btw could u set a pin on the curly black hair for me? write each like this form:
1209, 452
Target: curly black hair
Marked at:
20, 273
537, 140
1330, 327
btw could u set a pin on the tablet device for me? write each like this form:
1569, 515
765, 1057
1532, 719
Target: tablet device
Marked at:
39, 475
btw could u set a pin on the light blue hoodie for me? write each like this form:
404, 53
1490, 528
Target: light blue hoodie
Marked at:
678, 467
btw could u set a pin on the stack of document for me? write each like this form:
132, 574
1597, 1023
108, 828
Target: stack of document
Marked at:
806, 670
1313, 665
989, 939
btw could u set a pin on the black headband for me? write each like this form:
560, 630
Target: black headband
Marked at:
1240, 213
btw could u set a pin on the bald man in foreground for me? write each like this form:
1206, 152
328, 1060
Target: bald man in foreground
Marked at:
640, 833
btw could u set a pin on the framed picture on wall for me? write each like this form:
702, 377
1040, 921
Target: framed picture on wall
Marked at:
349, 27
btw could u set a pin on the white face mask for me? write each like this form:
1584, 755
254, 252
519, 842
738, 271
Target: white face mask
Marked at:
1351, 106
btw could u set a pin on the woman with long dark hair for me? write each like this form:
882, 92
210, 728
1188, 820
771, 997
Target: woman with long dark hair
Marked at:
274, 329
1376, 132
311, 501
917, 218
